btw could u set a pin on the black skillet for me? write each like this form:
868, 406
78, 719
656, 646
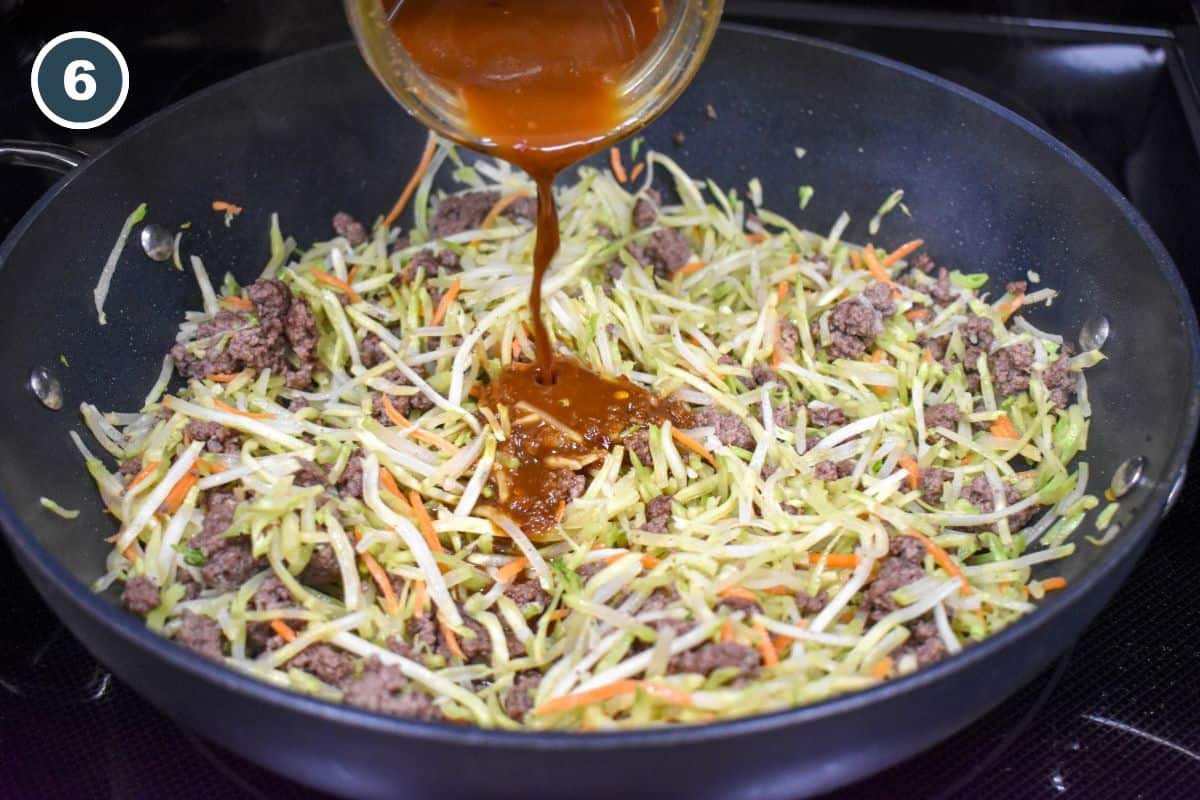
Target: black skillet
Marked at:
315, 134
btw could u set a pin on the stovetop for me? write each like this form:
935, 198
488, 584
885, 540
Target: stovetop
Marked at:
1117, 716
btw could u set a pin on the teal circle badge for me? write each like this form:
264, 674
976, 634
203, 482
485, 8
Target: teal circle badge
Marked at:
80, 80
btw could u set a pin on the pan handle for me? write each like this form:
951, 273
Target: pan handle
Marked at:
46, 155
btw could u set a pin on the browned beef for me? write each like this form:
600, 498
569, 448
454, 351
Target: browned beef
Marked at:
923, 263
309, 474
383, 688
879, 295
322, 568
896, 572
527, 591
140, 595
370, 350
711, 656
942, 291
728, 428
462, 212
201, 634
638, 443
658, 514
349, 228
519, 700
808, 605
979, 494
130, 468
833, 470
1059, 381
300, 328
788, 336
586, 571
942, 415
666, 251
216, 437
1010, 368
826, 416
434, 263
218, 517
907, 548
739, 604
933, 481
231, 566
271, 595
853, 326
424, 630
645, 210
325, 662
522, 209
351, 482
762, 374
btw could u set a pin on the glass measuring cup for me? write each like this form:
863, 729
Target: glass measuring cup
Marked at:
646, 89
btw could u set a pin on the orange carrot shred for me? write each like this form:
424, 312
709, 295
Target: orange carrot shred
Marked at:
420, 597
559, 614
834, 560
223, 205
776, 355
568, 702
397, 419
900, 252
766, 647
223, 377
739, 592
389, 482
499, 207
1011, 307
917, 313
146, 472
451, 640
284, 630
239, 303
1054, 584
390, 604
248, 414
511, 570
636, 171
874, 267
425, 523
781, 291
914, 472
179, 491
353, 273
943, 559
882, 668
447, 300
758, 237
782, 644
855, 259
688, 269
693, 445
411, 186
1002, 428
727, 631
337, 283
618, 169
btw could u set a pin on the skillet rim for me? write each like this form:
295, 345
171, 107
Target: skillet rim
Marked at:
38, 561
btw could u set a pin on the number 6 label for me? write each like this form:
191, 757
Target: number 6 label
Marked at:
80, 80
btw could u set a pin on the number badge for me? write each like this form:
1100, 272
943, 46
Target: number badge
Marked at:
80, 80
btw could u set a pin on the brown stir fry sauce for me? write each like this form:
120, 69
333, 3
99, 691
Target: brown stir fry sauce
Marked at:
540, 83
560, 428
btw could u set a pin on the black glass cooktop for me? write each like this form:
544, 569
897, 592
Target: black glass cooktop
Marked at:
1118, 716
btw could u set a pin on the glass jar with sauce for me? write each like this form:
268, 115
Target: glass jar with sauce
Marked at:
561, 78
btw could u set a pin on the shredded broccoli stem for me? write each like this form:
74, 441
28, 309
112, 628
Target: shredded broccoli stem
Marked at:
816, 449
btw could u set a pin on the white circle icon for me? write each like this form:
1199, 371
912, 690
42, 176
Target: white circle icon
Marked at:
79, 80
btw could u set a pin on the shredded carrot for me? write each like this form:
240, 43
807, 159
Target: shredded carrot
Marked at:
1002, 428
782, 644
384, 583
780, 590
146, 472
1011, 307
248, 414
559, 614
132, 552
411, 186
389, 482
882, 668
874, 267
855, 259
636, 171
174, 498
758, 237
337, 283
1054, 584
229, 208
499, 207
739, 592
781, 291
900, 252
223, 377
420, 596
447, 300
917, 313
568, 702
834, 560
240, 303
693, 445
766, 647
451, 640
209, 467
425, 523
794, 260
413, 430
914, 472
776, 355
284, 630
618, 169
927, 354
688, 269
727, 631
511, 570
943, 559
